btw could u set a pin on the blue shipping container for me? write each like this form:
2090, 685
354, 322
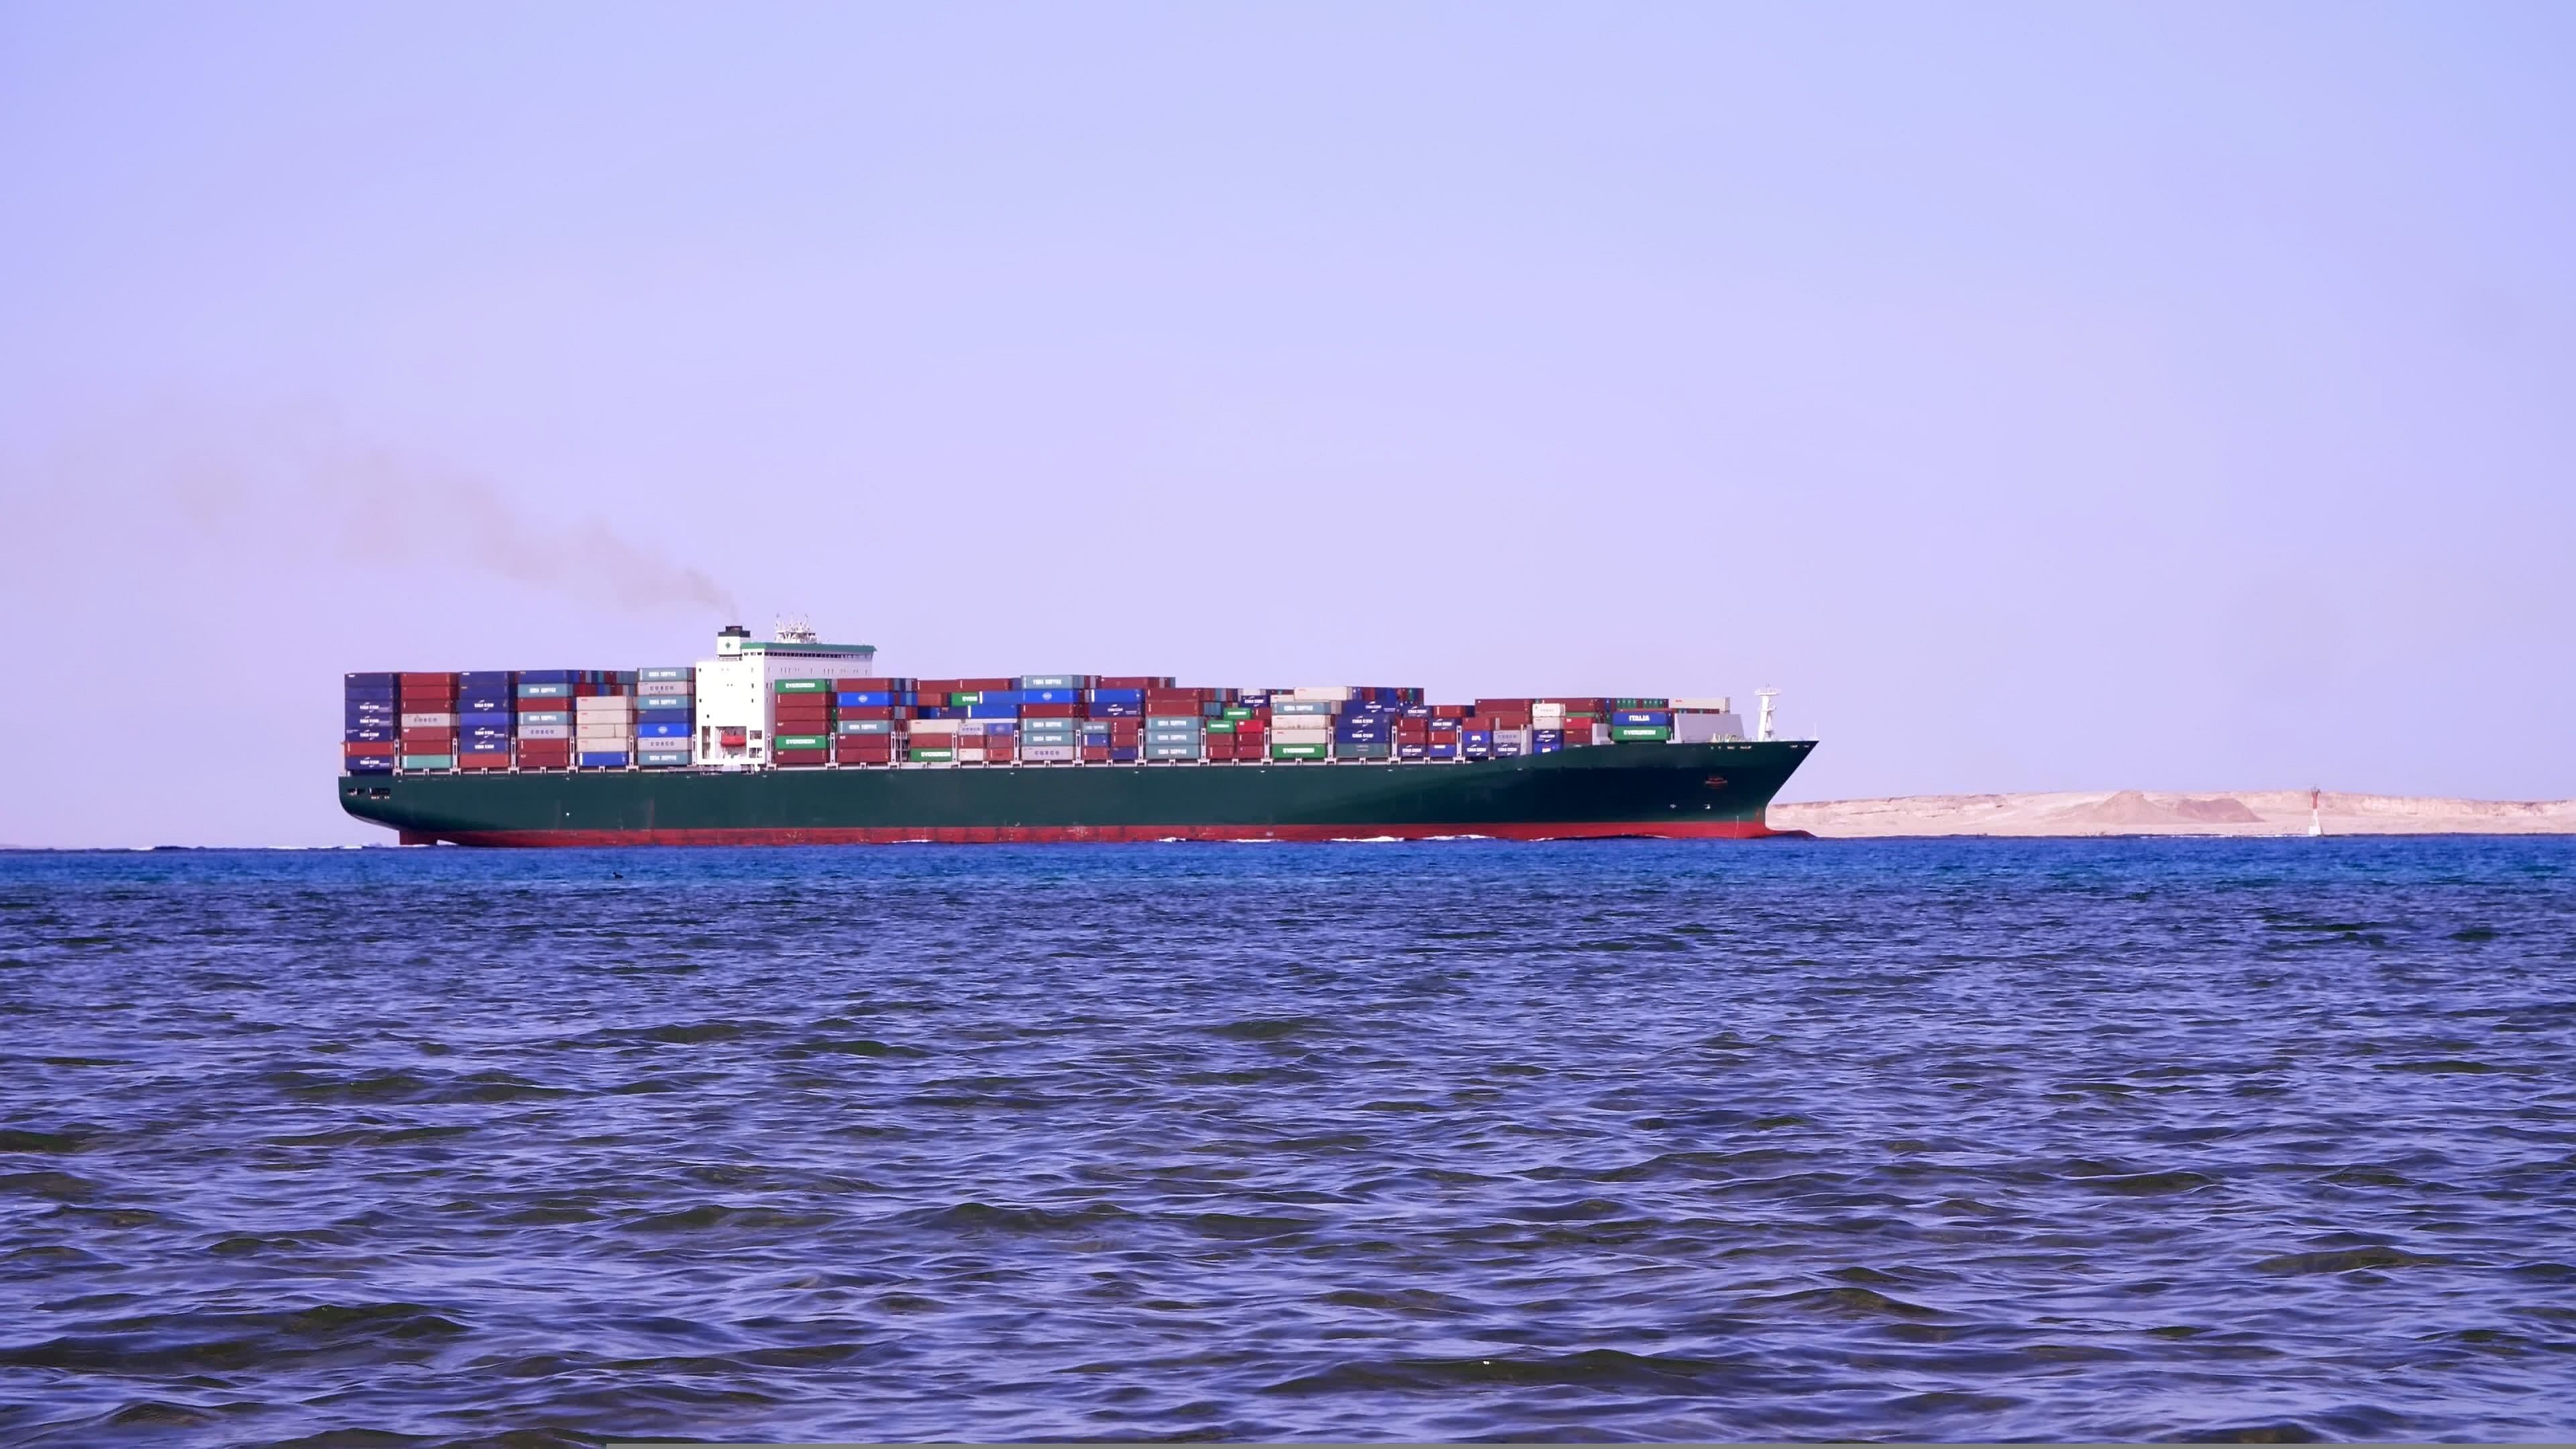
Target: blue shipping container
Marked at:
1641, 717
545, 716
545, 676
1122, 754
377, 679
483, 747
661, 731
992, 711
662, 759
1442, 751
1117, 696
864, 698
604, 760
368, 764
371, 734
544, 690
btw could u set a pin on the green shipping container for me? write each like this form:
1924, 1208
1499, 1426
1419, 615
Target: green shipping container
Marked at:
803, 742
932, 757
1299, 752
966, 697
1640, 703
1220, 726
427, 762
1639, 732
1238, 711
802, 686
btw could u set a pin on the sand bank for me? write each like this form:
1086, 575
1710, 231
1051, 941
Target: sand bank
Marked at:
2152, 812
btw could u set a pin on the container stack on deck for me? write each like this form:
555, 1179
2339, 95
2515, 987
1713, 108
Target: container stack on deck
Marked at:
800, 714
603, 719
870, 719
428, 718
666, 715
544, 726
561, 719
487, 712
371, 727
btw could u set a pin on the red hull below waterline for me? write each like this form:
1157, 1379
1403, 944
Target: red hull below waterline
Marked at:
1097, 834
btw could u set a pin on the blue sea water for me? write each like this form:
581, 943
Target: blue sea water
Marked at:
1930, 1140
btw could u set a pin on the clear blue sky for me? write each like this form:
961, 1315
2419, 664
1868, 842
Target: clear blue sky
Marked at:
2042, 396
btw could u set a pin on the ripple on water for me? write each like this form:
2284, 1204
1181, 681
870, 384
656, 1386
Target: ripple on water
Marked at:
2242, 1140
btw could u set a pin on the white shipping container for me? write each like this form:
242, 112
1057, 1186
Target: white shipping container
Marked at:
1319, 691
1513, 737
1057, 754
603, 704
1702, 726
936, 726
1300, 735
664, 686
588, 731
1717, 702
1544, 710
429, 721
545, 732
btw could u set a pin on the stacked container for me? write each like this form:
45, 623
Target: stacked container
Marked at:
603, 721
869, 717
800, 721
666, 715
426, 714
1367, 726
371, 724
486, 715
1301, 721
544, 723
1640, 719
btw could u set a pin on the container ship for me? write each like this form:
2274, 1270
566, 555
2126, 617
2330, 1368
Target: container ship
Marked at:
793, 740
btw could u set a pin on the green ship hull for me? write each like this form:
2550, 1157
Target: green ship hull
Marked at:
1661, 790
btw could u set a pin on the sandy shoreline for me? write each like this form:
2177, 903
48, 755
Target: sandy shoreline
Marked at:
2156, 812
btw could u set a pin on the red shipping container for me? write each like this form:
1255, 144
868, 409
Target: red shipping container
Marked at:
482, 762
789, 720
978, 685
428, 704
859, 686
1449, 711
428, 682
1050, 711
1095, 754
1502, 706
429, 742
1147, 682
871, 711
803, 757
